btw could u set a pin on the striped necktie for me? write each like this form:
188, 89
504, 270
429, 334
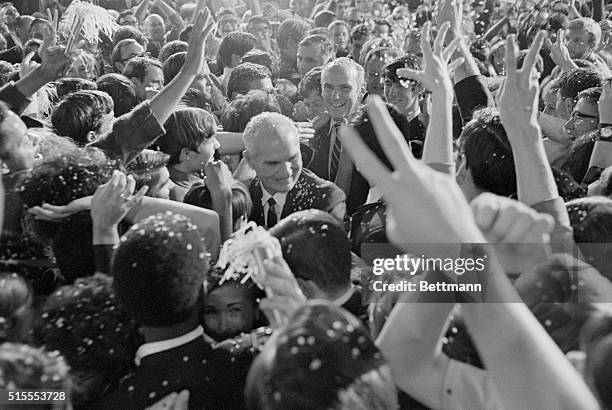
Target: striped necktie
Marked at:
335, 154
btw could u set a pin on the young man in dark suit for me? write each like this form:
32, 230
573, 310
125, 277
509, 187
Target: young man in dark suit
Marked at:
281, 185
318, 252
158, 270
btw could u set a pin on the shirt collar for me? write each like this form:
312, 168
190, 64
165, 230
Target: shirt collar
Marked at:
279, 197
149, 349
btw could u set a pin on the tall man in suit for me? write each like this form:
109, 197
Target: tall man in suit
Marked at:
343, 86
281, 186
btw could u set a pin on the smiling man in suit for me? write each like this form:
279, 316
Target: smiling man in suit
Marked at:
281, 185
342, 83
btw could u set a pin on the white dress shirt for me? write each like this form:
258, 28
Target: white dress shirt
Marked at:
148, 349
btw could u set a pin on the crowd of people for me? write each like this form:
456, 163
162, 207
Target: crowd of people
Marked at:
141, 140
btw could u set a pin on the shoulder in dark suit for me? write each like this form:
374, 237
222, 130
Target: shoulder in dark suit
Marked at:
316, 157
215, 376
310, 192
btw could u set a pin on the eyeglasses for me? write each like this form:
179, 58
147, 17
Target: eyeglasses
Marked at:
578, 116
143, 54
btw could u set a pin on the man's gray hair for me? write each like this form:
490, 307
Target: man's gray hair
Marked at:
259, 123
345, 63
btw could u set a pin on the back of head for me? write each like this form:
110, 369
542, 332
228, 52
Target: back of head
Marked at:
80, 113
293, 29
237, 114
323, 359
488, 154
257, 56
122, 91
327, 48
59, 179
573, 81
146, 166
104, 347
137, 67
323, 18
66, 86
128, 33
173, 65
316, 248
186, 128
172, 47
243, 75
235, 43
159, 269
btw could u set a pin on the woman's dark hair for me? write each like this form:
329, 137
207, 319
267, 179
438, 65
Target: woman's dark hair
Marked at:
242, 205
172, 47
85, 324
237, 43
122, 91
66, 86
576, 162
488, 153
186, 128
15, 307
173, 65
81, 113
59, 179
591, 220
237, 114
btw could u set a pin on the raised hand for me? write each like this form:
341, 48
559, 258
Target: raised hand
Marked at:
55, 62
203, 26
520, 234
559, 52
109, 205
449, 11
518, 98
435, 74
424, 206
218, 178
287, 295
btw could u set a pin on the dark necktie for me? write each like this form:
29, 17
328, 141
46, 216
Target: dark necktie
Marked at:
272, 218
335, 154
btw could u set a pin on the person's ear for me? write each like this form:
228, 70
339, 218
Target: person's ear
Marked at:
248, 158
91, 136
184, 155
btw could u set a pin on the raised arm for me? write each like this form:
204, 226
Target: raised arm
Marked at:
141, 10
170, 13
528, 368
165, 102
438, 149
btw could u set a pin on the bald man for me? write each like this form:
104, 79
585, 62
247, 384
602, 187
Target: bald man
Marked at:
281, 185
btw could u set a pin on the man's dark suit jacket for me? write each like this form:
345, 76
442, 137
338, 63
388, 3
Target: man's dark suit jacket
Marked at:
310, 192
215, 376
316, 157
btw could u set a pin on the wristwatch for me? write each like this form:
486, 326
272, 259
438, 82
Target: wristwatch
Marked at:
605, 134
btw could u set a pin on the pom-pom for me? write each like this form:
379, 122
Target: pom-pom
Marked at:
239, 254
95, 20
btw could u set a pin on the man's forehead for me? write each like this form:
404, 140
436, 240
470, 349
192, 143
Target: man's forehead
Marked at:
339, 73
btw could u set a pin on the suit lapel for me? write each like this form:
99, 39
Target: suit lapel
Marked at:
257, 215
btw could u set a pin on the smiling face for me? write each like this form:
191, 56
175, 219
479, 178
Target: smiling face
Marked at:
405, 99
341, 91
155, 28
578, 43
227, 24
276, 157
228, 312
